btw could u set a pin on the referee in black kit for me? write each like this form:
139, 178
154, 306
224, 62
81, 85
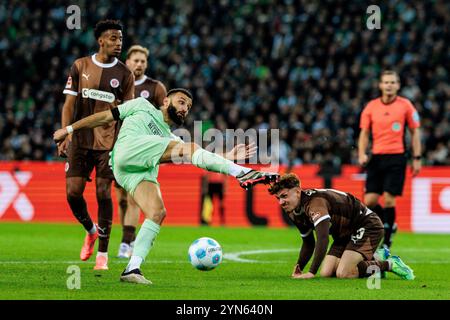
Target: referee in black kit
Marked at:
386, 118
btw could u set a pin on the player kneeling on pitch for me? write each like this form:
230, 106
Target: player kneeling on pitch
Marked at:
355, 229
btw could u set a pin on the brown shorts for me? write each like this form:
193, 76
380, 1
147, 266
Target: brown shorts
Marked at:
364, 240
81, 162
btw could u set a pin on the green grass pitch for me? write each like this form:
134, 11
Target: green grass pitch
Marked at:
34, 259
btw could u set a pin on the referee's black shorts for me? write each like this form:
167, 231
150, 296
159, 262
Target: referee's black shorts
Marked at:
386, 172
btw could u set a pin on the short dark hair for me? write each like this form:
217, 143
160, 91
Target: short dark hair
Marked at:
104, 25
182, 90
287, 181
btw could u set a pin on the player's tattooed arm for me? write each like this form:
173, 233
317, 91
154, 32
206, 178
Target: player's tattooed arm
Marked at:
95, 120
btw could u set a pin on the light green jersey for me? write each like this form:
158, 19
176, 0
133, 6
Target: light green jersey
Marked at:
140, 117
143, 139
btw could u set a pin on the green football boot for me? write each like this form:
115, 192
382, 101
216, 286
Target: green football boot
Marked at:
382, 254
401, 269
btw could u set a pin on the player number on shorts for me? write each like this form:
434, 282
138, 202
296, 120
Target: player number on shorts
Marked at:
358, 235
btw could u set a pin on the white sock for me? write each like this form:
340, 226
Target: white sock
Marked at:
93, 229
204, 159
236, 170
135, 263
102, 254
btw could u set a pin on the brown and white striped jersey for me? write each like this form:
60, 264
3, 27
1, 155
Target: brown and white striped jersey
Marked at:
97, 86
147, 88
345, 212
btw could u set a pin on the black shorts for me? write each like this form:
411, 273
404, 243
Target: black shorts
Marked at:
81, 162
386, 172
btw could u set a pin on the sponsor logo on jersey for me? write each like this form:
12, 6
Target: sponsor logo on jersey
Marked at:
114, 83
145, 94
154, 129
98, 95
86, 76
396, 126
69, 82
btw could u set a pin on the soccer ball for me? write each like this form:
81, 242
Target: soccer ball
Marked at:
205, 254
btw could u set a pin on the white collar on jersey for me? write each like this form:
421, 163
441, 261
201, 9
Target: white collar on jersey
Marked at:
140, 81
104, 65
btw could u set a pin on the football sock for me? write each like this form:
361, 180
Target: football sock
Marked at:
123, 205
367, 268
213, 162
105, 212
79, 210
102, 254
389, 214
379, 211
144, 242
128, 234
135, 263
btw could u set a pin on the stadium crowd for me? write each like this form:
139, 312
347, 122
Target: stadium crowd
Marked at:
305, 67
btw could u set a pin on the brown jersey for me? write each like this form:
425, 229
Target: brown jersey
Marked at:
96, 86
152, 90
343, 210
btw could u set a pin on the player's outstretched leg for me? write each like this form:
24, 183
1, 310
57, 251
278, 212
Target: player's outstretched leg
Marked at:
204, 159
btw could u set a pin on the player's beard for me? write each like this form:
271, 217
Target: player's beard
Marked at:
172, 111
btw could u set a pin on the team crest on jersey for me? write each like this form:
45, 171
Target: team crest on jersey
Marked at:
69, 82
315, 215
396, 126
66, 167
145, 94
114, 83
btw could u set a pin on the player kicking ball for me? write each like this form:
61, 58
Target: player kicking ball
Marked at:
355, 229
145, 140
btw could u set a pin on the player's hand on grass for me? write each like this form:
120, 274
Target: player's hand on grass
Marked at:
363, 159
241, 152
296, 272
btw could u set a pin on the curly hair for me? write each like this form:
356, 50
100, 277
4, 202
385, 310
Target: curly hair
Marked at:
104, 25
288, 181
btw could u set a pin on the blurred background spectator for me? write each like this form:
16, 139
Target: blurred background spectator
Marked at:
305, 67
